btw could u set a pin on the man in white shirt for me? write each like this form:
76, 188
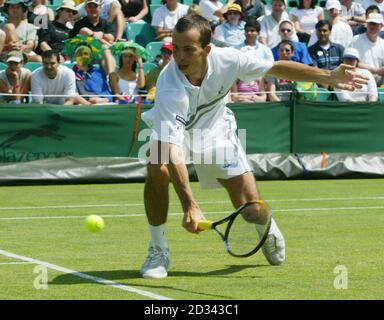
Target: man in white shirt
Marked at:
341, 32
53, 79
371, 47
190, 102
269, 33
165, 18
368, 92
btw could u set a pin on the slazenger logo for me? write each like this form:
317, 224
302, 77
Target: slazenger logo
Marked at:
44, 131
181, 119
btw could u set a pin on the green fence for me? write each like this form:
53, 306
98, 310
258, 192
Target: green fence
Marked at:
33, 132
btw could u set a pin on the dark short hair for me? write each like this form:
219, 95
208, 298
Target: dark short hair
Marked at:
251, 22
288, 42
50, 53
371, 8
301, 4
323, 23
195, 21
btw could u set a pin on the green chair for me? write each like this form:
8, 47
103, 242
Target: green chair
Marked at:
154, 49
140, 32
3, 66
148, 66
188, 2
33, 65
381, 93
323, 94
153, 7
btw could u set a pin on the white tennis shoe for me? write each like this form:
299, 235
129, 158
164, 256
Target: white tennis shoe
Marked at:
274, 246
157, 264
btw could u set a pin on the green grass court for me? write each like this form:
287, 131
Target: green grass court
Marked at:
326, 223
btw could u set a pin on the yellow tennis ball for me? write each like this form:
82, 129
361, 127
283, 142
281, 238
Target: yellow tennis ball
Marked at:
94, 223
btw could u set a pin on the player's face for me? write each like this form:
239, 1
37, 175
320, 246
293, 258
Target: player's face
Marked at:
189, 55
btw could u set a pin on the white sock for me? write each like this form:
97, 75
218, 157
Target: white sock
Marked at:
158, 236
261, 228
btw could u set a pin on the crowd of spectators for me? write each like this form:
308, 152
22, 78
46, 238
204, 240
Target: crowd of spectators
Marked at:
320, 33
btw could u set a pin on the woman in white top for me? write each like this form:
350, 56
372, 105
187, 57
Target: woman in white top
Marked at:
305, 17
125, 83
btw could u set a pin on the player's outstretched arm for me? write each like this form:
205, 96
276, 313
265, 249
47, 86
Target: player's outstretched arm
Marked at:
343, 77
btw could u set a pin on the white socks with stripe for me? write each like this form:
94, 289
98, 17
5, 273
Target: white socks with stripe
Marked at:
158, 236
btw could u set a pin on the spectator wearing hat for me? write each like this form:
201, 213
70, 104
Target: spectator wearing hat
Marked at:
341, 31
15, 79
165, 18
111, 11
300, 53
53, 37
305, 17
269, 33
371, 47
20, 35
368, 92
125, 83
53, 79
325, 53
151, 78
93, 25
232, 30
363, 28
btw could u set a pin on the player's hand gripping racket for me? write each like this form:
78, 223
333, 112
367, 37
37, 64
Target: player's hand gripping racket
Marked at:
246, 230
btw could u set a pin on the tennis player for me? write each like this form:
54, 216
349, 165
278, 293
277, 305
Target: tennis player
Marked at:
190, 111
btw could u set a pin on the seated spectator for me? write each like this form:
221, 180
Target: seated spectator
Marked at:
300, 54
367, 92
252, 8
134, 10
363, 28
352, 13
53, 79
93, 25
341, 32
281, 89
125, 83
20, 35
305, 17
15, 79
269, 32
91, 79
378, 3
325, 54
252, 30
165, 18
231, 31
151, 78
213, 10
253, 91
109, 10
371, 47
53, 37
38, 13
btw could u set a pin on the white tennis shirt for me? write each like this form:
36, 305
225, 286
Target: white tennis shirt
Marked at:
181, 106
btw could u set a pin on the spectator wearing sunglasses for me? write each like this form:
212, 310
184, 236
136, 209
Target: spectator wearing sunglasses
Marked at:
301, 53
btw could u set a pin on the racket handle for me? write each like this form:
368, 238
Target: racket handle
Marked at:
204, 225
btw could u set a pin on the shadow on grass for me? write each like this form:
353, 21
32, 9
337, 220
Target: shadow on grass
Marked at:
102, 277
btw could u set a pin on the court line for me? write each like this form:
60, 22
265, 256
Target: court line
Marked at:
12, 263
85, 276
179, 213
121, 205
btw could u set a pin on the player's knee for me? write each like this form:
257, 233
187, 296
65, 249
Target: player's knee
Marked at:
158, 174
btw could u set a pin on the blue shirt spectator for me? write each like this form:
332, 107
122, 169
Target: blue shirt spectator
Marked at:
300, 53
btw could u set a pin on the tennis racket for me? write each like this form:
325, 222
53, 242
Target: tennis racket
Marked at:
245, 232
